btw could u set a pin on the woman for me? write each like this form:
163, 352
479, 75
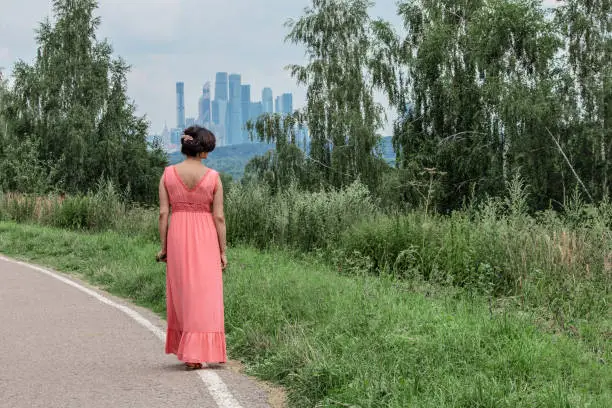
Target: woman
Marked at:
193, 246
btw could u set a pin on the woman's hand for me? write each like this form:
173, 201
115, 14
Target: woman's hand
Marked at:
161, 256
223, 260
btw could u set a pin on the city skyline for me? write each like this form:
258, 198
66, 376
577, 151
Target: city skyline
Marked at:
225, 112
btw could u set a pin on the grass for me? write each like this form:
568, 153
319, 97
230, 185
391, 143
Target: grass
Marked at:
539, 264
354, 341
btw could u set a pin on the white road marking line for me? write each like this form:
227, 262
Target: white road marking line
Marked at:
216, 387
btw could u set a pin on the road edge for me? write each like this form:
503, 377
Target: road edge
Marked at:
156, 325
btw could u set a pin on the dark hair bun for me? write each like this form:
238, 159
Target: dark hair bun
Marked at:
201, 140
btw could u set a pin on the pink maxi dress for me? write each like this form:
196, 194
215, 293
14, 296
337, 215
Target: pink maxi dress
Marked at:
194, 285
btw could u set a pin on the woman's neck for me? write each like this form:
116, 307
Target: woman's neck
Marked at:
193, 159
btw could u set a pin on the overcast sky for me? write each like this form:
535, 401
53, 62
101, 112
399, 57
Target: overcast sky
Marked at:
167, 41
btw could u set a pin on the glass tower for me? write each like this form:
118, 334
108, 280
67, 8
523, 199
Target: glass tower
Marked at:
287, 103
235, 109
221, 86
256, 110
246, 111
219, 108
267, 100
204, 108
180, 105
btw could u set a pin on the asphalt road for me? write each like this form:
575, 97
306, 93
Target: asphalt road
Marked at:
62, 346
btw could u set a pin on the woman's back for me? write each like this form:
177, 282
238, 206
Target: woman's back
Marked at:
190, 187
191, 173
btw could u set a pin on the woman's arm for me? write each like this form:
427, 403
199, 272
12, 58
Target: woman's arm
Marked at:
219, 218
164, 213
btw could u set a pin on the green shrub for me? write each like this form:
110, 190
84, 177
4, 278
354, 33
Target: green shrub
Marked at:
96, 211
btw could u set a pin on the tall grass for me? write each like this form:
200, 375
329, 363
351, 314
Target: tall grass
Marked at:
562, 264
557, 267
293, 218
101, 209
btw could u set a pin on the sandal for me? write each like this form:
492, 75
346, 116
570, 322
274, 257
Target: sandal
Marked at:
193, 366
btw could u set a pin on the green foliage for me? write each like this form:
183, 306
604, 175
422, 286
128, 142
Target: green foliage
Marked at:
560, 264
556, 267
341, 115
280, 168
314, 332
586, 27
293, 218
483, 89
21, 168
19, 209
474, 94
98, 210
69, 114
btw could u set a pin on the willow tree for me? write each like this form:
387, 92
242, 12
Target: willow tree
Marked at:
341, 115
514, 44
471, 83
286, 164
71, 103
586, 27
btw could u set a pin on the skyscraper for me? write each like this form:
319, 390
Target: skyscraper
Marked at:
235, 109
277, 105
219, 109
246, 111
180, 105
219, 126
204, 108
166, 137
287, 103
256, 110
175, 136
267, 100
221, 86
215, 111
